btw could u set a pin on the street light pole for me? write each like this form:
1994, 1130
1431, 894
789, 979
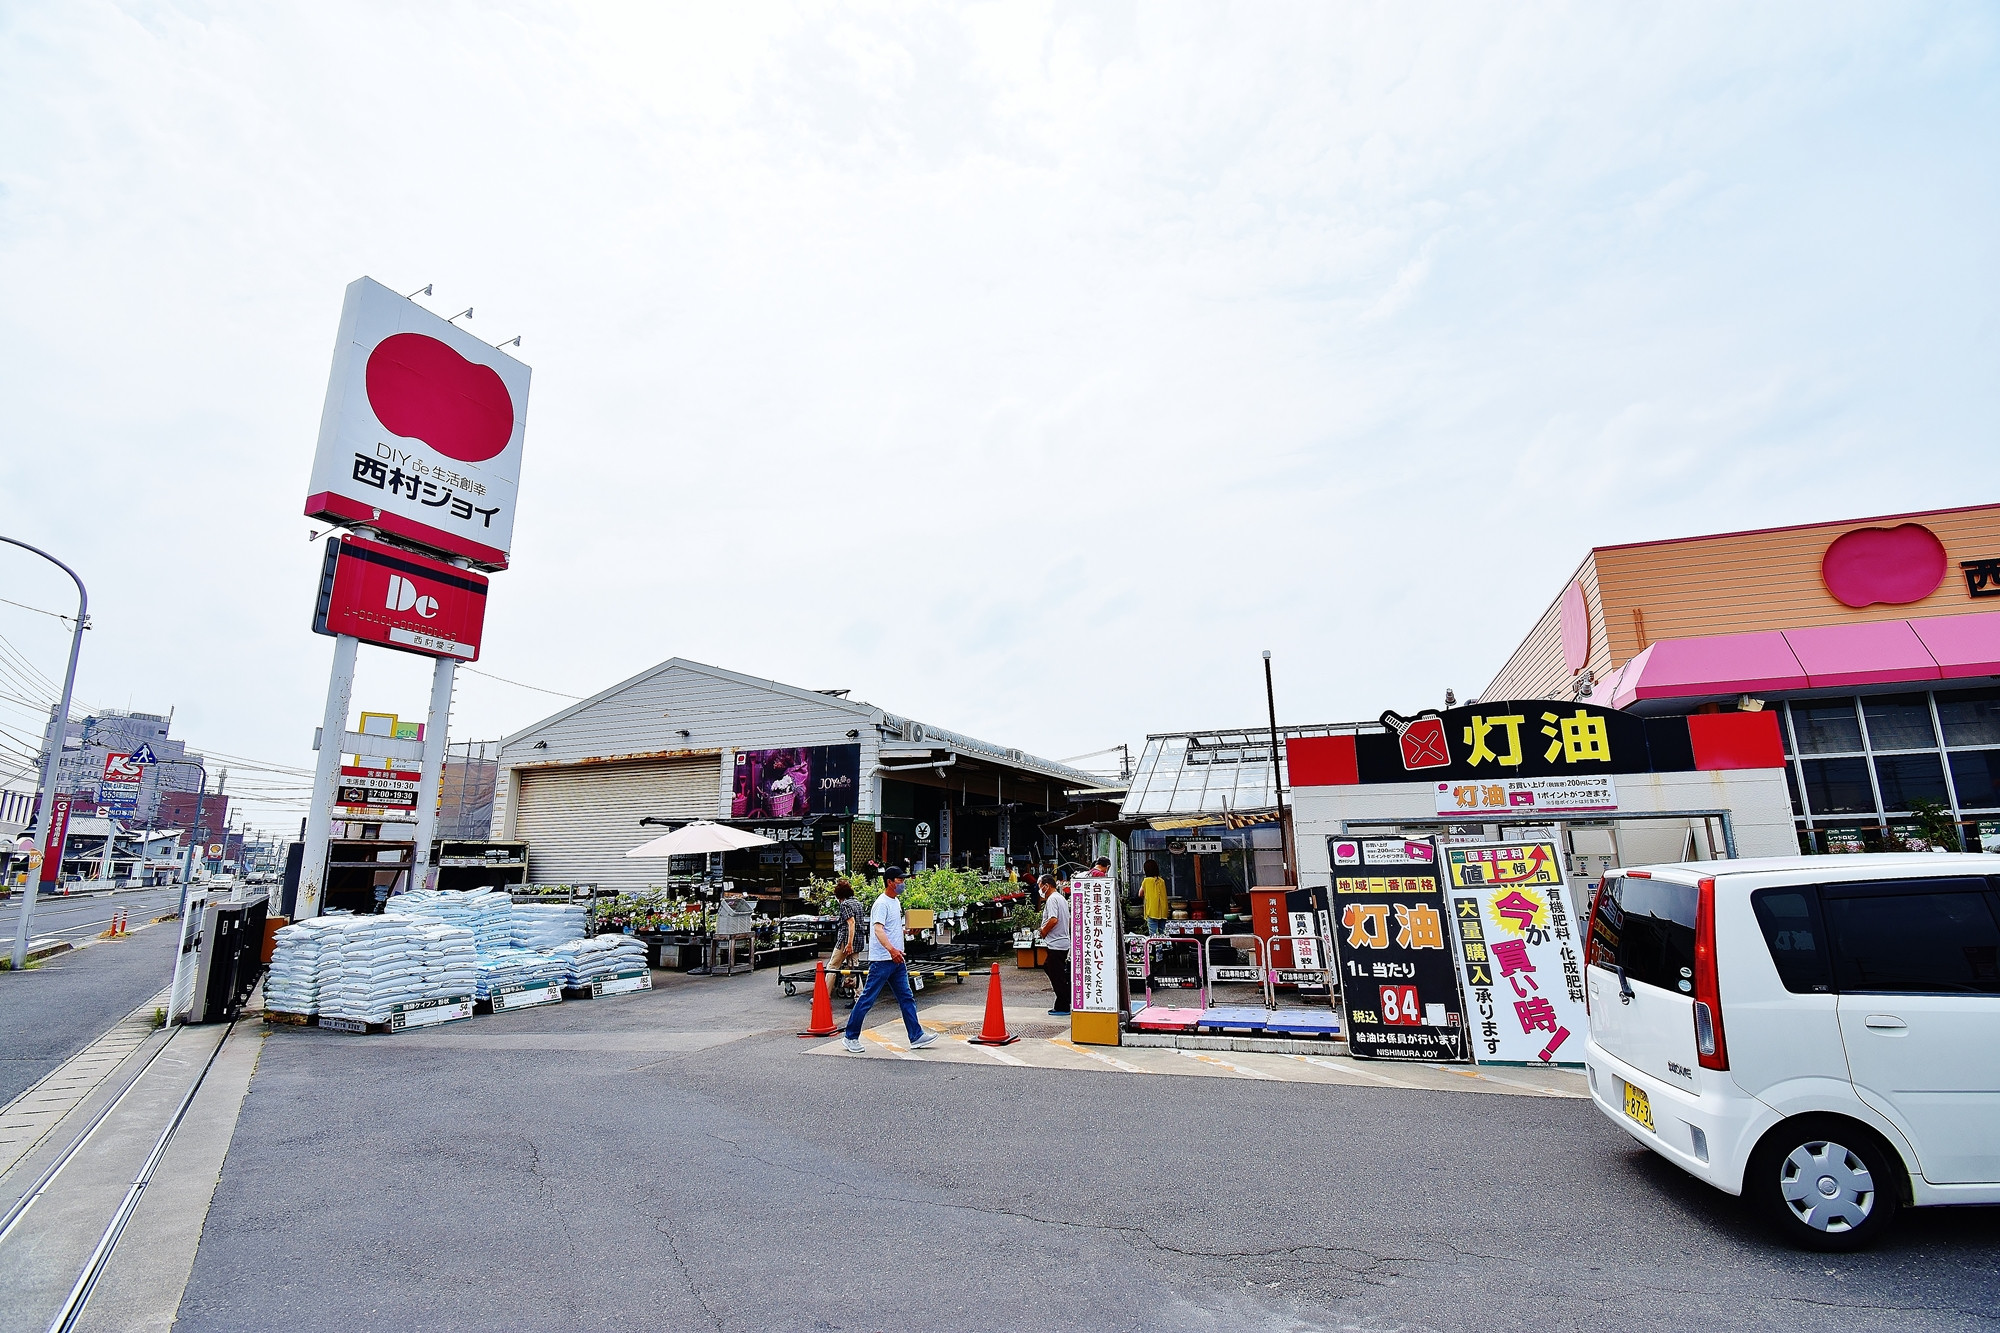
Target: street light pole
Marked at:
1278, 775
194, 828
52, 762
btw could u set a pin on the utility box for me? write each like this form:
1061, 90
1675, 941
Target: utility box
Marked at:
220, 959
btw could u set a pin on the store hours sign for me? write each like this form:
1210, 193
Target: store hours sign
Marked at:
422, 433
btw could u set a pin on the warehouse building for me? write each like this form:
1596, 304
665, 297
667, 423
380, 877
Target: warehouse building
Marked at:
835, 780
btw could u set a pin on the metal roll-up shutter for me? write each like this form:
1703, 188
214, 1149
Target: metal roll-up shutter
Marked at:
579, 822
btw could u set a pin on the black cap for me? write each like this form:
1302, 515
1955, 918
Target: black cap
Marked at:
893, 873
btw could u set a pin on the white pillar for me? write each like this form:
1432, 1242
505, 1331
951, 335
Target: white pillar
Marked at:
444, 672
326, 778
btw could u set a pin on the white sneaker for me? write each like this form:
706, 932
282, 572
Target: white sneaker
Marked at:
928, 1039
853, 1046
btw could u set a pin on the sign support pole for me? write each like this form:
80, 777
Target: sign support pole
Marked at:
326, 777
444, 673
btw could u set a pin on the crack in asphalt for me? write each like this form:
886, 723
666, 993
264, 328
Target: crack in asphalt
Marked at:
687, 1275
1141, 1232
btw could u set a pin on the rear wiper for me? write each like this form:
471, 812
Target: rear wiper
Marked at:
1625, 991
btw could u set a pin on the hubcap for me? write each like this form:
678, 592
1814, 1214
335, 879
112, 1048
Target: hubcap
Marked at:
1827, 1186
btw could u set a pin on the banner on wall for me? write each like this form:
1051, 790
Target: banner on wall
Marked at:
796, 781
1398, 983
1517, 954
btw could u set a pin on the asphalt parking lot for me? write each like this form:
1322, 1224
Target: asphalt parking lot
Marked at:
680, 1159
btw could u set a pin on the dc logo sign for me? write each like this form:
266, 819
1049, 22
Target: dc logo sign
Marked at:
403, 596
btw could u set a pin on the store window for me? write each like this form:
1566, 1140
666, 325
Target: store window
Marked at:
1826, 728
1908, 778
1839, 787
1792, 786
1976, 774
1970, 717
1899, 722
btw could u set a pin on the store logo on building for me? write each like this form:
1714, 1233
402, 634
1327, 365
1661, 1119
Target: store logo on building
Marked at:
1891, 566
1505, 739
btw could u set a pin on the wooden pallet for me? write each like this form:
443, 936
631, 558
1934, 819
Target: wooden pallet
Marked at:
283, 1019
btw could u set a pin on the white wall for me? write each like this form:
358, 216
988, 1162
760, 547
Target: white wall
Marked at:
647, 716
1759, 804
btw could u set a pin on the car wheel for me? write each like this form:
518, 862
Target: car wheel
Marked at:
1824, 1184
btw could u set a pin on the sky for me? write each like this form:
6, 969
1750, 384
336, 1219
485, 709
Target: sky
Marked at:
1025, 368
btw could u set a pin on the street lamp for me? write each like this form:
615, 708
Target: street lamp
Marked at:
52, 761
200, 813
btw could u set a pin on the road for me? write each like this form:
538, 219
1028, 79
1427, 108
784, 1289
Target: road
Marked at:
680, 1159
50, 1012
82, 917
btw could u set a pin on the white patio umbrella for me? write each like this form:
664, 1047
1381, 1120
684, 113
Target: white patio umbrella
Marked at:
701, 837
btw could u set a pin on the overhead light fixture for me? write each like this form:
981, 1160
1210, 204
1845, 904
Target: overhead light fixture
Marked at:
1746, 704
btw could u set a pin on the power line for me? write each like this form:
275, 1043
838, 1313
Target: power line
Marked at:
522, 685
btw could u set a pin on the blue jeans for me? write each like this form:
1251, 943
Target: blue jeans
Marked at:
885, 972
1156, 925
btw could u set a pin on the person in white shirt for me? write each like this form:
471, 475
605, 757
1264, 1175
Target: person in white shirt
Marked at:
886, 968
1055, 938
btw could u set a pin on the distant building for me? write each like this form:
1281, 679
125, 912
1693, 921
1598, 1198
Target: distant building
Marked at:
87, 742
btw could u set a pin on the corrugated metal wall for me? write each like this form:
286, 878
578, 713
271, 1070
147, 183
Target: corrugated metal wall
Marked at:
580, 821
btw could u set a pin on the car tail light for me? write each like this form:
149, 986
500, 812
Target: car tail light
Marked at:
1590, 934
1710, 1048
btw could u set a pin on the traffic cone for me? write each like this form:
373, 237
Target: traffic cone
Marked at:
822, 1015
994, 1031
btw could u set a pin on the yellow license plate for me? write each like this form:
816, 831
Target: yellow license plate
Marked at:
1638, 1105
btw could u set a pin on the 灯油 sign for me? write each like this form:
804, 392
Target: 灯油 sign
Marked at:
1397, 981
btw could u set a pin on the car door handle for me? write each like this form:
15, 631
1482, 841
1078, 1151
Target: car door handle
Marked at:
1885, 1023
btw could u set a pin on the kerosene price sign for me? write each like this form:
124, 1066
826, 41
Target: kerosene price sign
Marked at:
1398, 985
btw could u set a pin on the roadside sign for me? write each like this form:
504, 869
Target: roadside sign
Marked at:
385, 788
923, 833
52, 843
144, 755
422, 432
1398, 983
215, 851
399, 599
1517, 956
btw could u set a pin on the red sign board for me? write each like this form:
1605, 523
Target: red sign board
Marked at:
383, 594
58, 835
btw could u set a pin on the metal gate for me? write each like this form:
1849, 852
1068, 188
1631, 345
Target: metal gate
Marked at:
579, 821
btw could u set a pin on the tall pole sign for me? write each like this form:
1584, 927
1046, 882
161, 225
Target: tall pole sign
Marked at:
420, 453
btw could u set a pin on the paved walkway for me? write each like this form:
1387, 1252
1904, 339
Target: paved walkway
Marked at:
1044, 1044
51, 1011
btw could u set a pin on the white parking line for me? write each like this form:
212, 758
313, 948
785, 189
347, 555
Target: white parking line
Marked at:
1100, 1056
1244, 1071
996, 1053
1354, 1068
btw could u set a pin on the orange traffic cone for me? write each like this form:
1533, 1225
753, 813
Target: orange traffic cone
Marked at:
822, 1015
994, 1031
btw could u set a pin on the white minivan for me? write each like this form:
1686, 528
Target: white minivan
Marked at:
1818, 1034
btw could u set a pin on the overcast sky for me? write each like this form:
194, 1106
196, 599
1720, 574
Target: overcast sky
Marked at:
1025, 369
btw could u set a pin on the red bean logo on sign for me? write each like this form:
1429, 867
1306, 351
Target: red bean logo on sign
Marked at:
422, 389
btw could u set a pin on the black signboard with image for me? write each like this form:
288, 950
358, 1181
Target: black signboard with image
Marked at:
1398, 984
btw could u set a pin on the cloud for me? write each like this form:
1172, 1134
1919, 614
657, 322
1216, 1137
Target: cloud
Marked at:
1025, 368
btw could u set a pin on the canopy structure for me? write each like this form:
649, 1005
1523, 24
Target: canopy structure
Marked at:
700, 838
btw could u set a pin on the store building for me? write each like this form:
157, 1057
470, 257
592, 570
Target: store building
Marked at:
835, 780
1875, 643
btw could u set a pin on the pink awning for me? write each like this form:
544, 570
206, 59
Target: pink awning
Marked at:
1875, 652
1712, 664
1962, 645
1880, 652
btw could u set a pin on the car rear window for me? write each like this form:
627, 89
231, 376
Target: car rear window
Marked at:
1925, 936
1646, 926
1791, 922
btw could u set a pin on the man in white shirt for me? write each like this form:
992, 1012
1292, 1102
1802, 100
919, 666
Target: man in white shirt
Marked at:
886, 968
1055, 938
